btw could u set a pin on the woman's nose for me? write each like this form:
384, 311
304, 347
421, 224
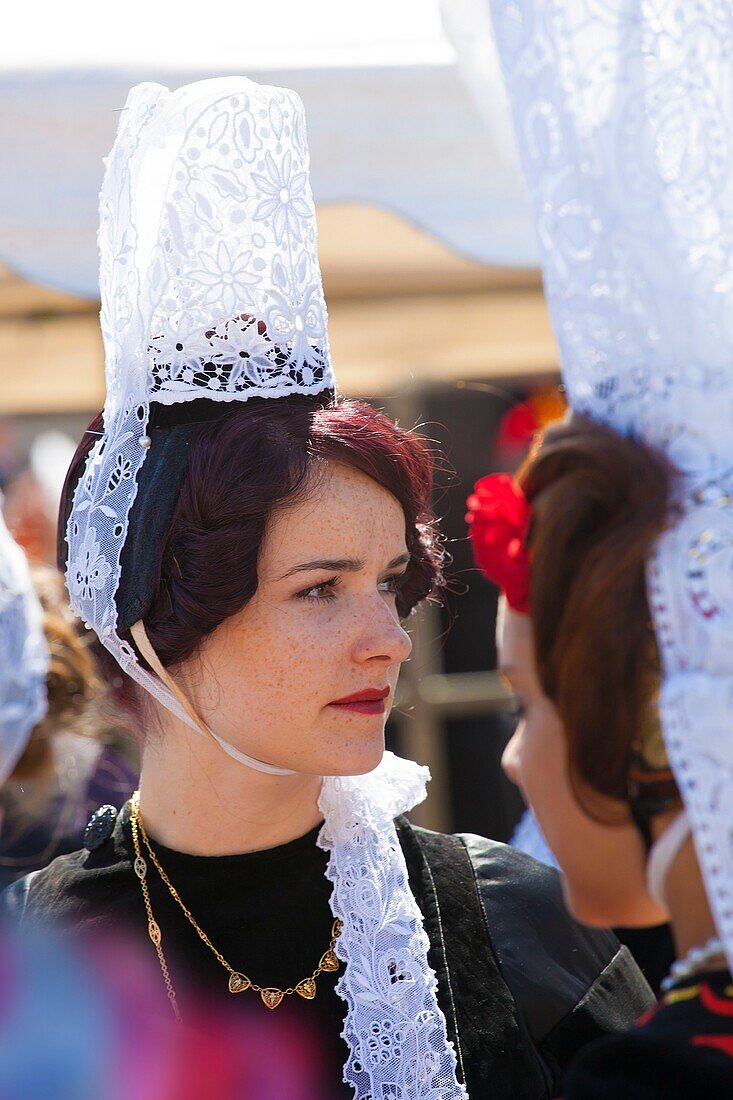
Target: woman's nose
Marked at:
383, 637
511, 754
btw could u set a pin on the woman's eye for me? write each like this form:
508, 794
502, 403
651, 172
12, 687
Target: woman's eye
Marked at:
325, 590
320, 592
392, 584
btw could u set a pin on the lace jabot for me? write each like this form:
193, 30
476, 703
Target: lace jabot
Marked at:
395, 1029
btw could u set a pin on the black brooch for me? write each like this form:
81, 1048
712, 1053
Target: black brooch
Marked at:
100, 827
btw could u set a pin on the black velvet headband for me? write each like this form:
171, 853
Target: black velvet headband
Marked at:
159, 484
158, 487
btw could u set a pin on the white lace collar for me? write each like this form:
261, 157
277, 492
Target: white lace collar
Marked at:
395, 1029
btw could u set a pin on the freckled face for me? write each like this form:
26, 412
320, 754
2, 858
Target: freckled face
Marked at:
321, 628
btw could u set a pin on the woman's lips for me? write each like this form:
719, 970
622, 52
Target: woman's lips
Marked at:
369, 701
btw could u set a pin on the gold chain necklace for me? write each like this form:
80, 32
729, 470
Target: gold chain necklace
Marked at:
238, 982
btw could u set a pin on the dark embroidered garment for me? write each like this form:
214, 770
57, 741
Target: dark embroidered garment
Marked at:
682, 1048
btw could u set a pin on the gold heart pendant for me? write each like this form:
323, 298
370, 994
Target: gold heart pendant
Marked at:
306, 988
238, 983
328, 961
271, 997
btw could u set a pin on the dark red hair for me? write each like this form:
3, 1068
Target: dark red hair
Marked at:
243, 464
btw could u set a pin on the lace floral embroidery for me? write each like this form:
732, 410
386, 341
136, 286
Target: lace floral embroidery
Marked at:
394, 1026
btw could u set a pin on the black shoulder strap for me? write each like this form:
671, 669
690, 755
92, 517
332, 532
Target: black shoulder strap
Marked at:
495, 1055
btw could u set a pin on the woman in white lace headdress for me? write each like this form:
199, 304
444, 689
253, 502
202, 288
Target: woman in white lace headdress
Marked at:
24, 656
246, 547
48, 688
613, 548
68, 763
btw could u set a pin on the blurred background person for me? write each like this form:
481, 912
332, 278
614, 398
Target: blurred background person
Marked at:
60, 763
79, 1022
31, 479
74, 758
24, 657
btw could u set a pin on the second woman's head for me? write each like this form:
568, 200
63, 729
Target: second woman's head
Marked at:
300, 539
583, 663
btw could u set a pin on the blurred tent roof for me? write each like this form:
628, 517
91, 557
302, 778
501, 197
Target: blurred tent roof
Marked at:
400, 141
391, 120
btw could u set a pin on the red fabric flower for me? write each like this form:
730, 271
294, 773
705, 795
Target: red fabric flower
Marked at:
498, 515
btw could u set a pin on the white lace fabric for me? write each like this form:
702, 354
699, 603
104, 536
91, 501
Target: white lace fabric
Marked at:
395, 1030
24, 656
623, 113
210, 287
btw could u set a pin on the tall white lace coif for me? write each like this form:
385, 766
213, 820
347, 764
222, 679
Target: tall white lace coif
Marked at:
210, 287
623, 111
24, 657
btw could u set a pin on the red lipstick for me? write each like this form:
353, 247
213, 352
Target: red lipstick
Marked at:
368, 701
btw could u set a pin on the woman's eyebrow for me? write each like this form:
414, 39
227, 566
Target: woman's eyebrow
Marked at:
340, 565
332, 565
401, 559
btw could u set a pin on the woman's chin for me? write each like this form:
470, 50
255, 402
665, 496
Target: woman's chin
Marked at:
359, 761
328, 753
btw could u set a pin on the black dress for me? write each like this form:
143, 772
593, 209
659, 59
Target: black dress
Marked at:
681, 1049
523, 986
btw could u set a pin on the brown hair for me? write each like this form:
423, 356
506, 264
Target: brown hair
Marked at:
72, 682
599, 502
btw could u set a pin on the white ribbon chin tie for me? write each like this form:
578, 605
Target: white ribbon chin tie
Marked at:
140, 637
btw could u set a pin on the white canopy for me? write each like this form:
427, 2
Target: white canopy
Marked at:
391, 121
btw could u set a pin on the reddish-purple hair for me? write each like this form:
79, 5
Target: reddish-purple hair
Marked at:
242, 465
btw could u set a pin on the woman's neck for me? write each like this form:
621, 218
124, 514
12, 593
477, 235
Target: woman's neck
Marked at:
684, 891
692, 921
196, 799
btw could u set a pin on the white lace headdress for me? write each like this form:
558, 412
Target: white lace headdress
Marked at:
211, 288
24, 657
623, 113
